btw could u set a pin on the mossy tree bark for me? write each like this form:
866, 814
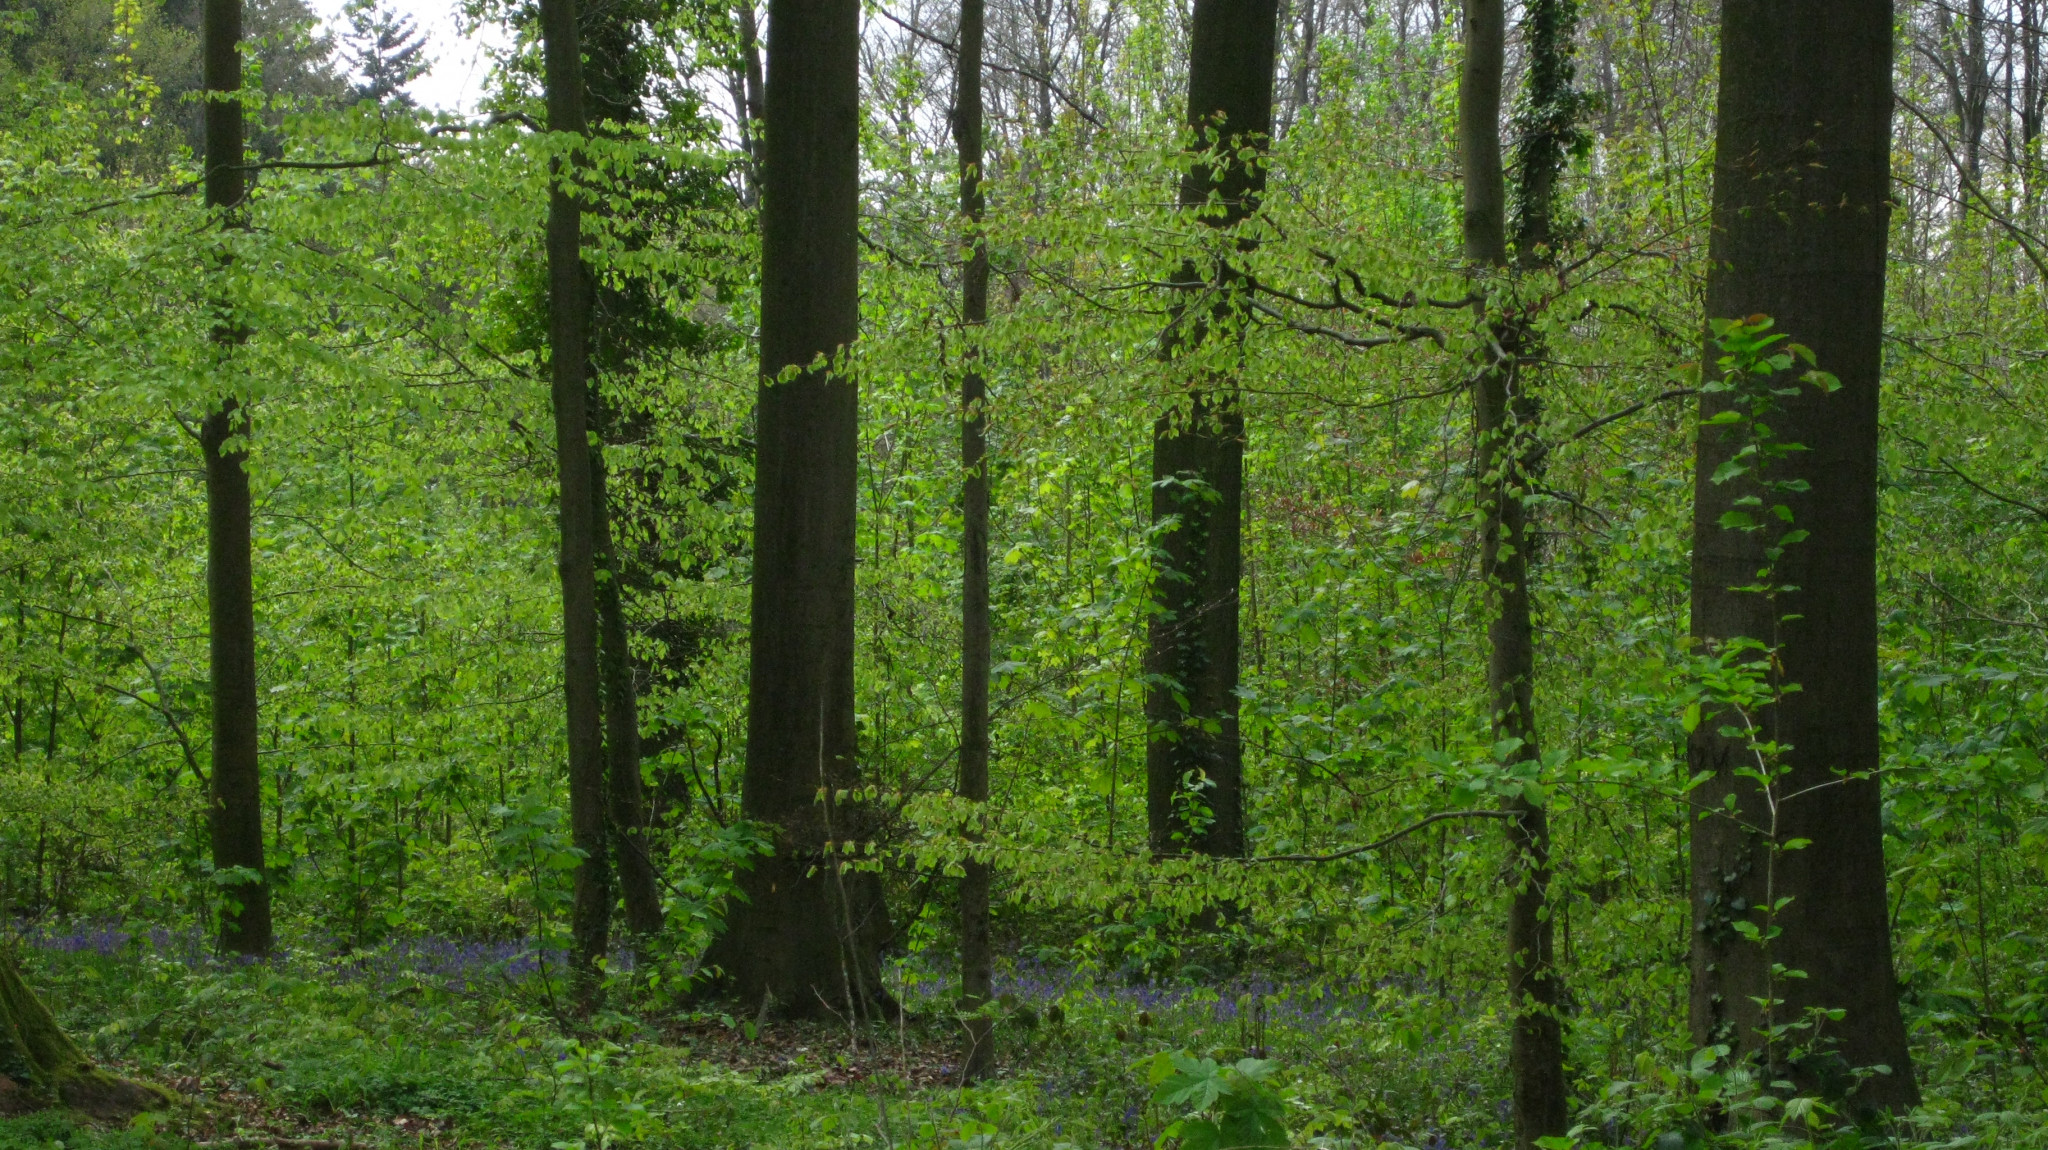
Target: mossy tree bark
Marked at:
56, 1069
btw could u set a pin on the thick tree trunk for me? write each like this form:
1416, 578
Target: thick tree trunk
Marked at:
58, 1071
235, 802
1801, 186
976, 960
810, 929
1485, 187
1194, 762
568, 364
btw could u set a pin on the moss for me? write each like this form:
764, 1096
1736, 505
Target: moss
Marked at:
48, 1068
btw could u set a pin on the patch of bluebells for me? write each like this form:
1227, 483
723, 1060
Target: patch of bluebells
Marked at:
1304, 1006
455, 963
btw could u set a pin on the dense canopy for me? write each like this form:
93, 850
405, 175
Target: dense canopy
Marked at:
1209, 573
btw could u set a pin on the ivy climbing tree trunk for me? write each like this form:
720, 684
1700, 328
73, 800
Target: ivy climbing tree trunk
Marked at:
235, 798
976, 958
568, 369
1800, 206
809, 931
1546, 131
615, 78
1194, 762
1507, 425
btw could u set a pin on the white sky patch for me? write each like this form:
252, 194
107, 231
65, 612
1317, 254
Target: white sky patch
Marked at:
461, 60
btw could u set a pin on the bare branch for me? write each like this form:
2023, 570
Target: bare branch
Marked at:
1404, 832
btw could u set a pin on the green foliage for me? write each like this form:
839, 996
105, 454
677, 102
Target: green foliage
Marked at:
409, 630
1218, 1107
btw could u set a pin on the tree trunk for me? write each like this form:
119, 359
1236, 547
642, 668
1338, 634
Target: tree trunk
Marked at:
750, 108
631, 849
2031, 91
1976, 88
1801, 185
1485, 187
235, 801
976, 960
58, 1072
1194, 790
614, 83
1508, 423
1508, 448
568, 364
809, 930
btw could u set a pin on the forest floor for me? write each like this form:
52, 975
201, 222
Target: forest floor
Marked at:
433, 1044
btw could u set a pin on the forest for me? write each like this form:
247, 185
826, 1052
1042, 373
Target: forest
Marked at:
1179, 574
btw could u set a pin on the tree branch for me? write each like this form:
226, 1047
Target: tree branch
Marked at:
1404, 832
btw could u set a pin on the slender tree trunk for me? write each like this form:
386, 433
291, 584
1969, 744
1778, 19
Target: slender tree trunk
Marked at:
976, 961
1507, 421
810, 930
1801, 186
1976, 88
749, 102
632, 850
1194, 761
2030, 87
235, 802
1547, 128
568, 340
614, 83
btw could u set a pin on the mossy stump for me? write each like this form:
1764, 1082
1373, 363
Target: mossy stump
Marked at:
41, 1067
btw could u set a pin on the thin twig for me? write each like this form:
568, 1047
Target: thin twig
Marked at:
1631, 409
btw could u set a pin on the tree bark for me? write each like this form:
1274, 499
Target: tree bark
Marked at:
809, 931
1485, 186
1976, 88
976, 959
1193, 758
1800, 202
614, 82
568, 368
2030, 88
58, 1071
235, 799
1507, 421
632, 850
